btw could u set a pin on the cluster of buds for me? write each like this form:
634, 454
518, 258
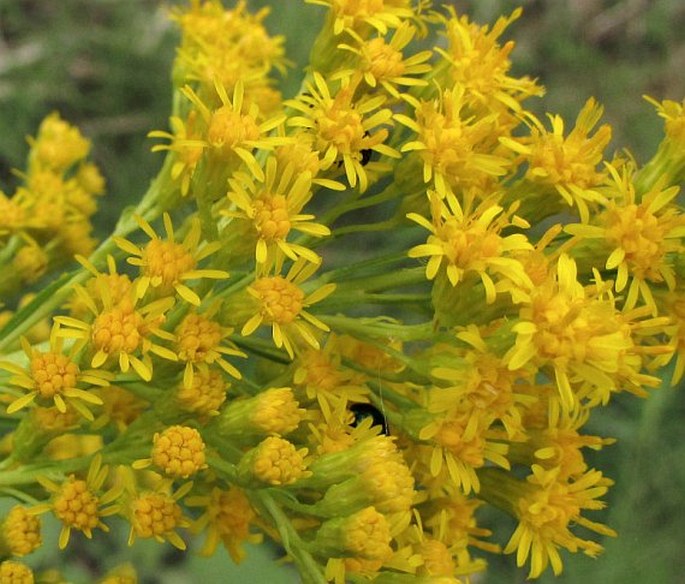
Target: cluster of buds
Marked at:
334, 319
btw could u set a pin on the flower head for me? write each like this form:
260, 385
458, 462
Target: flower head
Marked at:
20, 532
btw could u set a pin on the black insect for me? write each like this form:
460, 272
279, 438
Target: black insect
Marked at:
363, 411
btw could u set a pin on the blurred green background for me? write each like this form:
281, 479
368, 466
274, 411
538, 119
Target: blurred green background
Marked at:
104, 64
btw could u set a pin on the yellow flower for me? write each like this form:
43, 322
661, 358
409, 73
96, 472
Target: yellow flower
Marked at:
458, 150
198, 344
281, 303
20, 532
58, 145
227, 518
205, 395
568, 164
463, 242
546, 506
480, 64
157, 514
166, 264
179, 451
52, 377
120, 330
275, 462
344, 129
577, 337
14, 572
233, 130
78, 504
274, 206
642, 235
355, 14
382, 63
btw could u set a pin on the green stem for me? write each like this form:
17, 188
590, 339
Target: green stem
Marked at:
374, 328
310, 571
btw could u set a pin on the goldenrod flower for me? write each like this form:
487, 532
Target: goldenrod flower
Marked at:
546, 506
480, 64
58, 145
577, 335
233, 130
199, 344
157, 514
343, 127
274, 206
364, 534
642, 236
567, 164
123, 574
122, 330
457, 149
205, 395
382, 62
53, 377
166, 264
274, 411
14, 572
355, 14
179, 451
78, 504
275, 461
281, 303
20, 532
227, 518
461, 242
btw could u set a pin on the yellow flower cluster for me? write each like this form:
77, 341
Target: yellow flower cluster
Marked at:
352, 332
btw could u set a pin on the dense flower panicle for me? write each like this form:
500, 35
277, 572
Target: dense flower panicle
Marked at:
226, 45
379, 405
20, 532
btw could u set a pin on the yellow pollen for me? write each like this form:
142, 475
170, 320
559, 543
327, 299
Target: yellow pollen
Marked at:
76, 506
53, 373
197, 336
155, 515
271, 217
281, 300
466, 246
167, 261
118, 330
179, 451
228, 129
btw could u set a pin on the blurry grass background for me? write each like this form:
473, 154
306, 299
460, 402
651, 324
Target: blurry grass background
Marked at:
104, 64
